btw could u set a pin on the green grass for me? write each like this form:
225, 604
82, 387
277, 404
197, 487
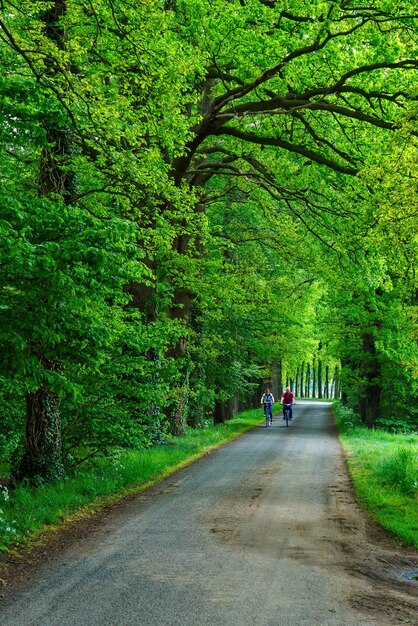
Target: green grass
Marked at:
26, 512
384, 470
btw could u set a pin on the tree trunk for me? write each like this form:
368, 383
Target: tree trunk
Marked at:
180, 310
319, 370
275, 380
302, 379
42, 456
177, 412
326, 389
143, 297
314, 378
336, 382
280, 379
308, 381
320, 394
223, 411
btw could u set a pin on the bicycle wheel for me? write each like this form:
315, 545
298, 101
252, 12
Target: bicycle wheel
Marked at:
267, 416
287, 416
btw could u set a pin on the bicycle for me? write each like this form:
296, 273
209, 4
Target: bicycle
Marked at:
268, 413
287, 414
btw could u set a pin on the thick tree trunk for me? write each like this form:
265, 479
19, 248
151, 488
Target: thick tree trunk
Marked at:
180, 310
143, 297
343, 393
255, 400
42, 456
251, 401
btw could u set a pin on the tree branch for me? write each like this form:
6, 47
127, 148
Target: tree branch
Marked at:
290, 147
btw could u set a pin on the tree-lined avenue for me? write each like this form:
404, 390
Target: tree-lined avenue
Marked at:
263, 531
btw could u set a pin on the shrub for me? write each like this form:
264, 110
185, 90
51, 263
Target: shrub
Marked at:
397, 424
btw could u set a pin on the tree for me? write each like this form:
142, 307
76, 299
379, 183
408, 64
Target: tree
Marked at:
295, 122
72, 241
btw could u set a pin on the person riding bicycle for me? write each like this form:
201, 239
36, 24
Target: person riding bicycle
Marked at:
288, 400
268, 400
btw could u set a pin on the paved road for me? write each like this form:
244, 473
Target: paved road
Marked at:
263, 531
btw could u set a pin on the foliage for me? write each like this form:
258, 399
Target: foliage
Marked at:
396, 424
193, 192
346, 418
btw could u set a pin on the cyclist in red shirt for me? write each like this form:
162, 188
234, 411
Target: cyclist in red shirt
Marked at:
288, 399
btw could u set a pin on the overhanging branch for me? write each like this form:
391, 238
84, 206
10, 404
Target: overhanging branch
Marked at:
290, 147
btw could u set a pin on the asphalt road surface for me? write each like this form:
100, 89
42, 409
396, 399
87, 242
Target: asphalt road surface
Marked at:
263, 531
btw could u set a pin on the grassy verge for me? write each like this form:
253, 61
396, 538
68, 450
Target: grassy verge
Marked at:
25, 512
384, 470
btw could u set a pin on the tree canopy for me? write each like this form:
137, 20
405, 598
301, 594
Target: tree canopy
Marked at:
198, 197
